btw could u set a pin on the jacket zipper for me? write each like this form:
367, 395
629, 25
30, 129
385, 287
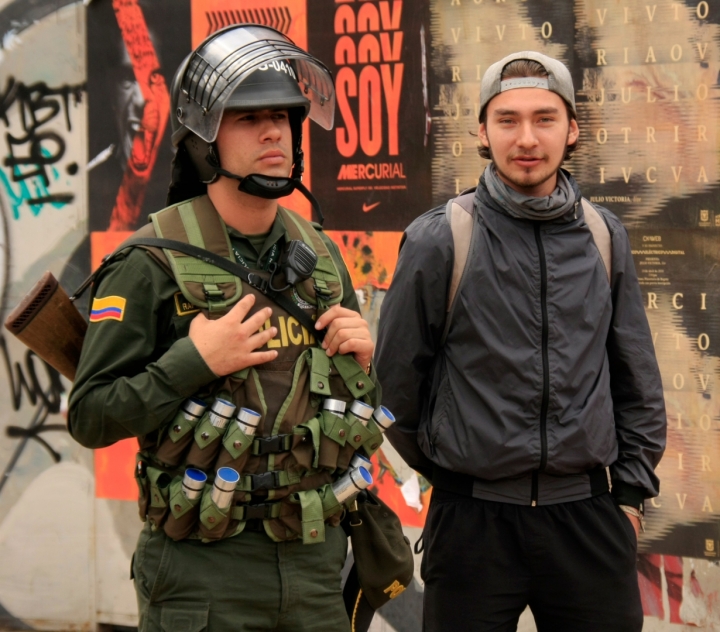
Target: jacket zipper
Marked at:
545, 366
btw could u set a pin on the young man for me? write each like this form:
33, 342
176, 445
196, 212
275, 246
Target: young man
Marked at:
166, 327
545, 394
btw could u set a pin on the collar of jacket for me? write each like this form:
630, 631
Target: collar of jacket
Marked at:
482, 196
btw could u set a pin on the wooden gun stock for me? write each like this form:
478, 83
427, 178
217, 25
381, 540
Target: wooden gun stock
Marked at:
48, 322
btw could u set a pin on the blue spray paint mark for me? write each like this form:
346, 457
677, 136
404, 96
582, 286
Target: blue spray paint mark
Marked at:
19, 193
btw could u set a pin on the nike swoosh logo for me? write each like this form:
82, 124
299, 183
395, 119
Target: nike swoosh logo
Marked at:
369, 207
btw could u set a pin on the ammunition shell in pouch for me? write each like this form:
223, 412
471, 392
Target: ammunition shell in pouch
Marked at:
179, 432
216, 504
383, 418
48, 322
332, 413
248, 421
224, 487
193, 483
351, 484
185, 496
238, 440
358, 415
208, 435
358, 461
362, 411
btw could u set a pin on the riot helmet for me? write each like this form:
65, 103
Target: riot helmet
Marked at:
243, 67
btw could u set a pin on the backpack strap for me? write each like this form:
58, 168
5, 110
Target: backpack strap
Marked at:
601, 235
460, 214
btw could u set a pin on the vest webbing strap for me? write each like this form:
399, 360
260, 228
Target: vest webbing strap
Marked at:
236, 269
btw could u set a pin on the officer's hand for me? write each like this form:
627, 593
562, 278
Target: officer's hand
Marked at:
228, 344
347, 332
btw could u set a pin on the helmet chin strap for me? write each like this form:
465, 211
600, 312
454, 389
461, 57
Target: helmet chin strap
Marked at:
272, 187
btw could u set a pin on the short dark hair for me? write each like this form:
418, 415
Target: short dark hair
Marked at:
515, 70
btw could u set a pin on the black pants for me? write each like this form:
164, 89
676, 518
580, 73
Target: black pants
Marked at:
572, 563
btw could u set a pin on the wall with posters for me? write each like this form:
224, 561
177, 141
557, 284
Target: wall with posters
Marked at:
84, 122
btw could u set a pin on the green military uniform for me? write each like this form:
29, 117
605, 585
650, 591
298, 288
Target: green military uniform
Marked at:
137, 368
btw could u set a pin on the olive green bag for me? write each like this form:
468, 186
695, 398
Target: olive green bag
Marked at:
384, 562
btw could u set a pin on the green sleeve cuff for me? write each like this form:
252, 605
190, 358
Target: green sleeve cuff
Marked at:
626, 494
185, 368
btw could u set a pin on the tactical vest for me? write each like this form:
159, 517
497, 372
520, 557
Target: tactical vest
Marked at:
298, 450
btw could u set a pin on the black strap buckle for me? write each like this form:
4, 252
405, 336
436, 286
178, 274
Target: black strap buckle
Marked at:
257, 282
266, 480
272, 445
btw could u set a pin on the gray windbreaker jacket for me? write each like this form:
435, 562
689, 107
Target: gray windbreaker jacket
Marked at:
548, 373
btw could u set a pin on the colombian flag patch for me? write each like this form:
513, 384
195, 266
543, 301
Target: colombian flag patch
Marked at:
108, 308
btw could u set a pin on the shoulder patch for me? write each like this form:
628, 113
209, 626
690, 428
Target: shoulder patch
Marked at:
183, 306
108, 308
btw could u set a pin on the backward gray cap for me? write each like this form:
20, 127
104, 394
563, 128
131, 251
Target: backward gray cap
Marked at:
558, 79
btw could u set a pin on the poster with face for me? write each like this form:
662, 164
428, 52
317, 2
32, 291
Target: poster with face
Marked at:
133, 52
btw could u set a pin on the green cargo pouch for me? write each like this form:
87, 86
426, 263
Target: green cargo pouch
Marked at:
312, 427
303, 446
262, 511
355, 429
235, 449
313, 520
357, 381
330, 504
182, 519
205, 447
267, 480
369, 437
143, 486
177, 437
159, 495
213, 520
333, 437
319, 365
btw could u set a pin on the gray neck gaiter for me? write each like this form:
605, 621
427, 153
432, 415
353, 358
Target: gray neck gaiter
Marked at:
559, 202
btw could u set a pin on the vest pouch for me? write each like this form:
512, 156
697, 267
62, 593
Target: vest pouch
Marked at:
208, 435
214, 520
367, 439
354, 422
238, 438
159, 491
182, 519
178, 434
334, 435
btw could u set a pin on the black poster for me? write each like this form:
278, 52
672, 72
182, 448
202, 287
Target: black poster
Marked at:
371, 170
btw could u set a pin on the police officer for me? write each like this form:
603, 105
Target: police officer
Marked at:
176, 347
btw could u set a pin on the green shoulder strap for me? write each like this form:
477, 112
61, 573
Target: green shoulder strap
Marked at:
325, 285
197, 223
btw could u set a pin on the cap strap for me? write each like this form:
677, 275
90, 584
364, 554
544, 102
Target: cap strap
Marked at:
524, 82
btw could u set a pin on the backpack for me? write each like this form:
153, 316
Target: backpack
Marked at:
460, 214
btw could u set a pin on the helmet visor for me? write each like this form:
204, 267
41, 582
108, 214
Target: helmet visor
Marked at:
224, 61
